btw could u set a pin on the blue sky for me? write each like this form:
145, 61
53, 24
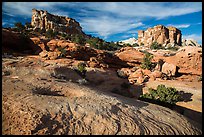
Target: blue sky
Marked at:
115, 21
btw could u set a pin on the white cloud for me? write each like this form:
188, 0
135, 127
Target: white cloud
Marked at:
25, 8
180, 25
147, 9
196, 37
105, 25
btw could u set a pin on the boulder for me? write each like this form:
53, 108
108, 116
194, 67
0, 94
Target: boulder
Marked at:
155, 74
169, 69
130, 55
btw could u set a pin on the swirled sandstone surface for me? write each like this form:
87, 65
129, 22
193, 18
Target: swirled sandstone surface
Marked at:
37, 98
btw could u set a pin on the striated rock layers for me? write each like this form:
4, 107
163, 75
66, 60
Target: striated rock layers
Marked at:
31, 107
160, 34
44, 20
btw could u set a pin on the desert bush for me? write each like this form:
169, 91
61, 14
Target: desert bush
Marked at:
81, 69
79, 39
50, 33
163, 94
63, 52
155, 45
146, 63
19, 26
172, 48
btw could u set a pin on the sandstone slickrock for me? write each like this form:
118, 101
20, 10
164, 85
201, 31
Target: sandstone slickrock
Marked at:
160, 34
44, 20
66, 108
189, 60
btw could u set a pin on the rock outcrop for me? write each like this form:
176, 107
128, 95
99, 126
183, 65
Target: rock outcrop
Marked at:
44, 20
190, 42
13, 42
160, 34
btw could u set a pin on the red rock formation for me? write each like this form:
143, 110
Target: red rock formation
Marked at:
44, 20
159, 34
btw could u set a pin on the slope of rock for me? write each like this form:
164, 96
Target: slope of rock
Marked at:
34, 102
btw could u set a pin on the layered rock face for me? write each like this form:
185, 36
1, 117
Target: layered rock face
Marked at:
44, 20
160, 34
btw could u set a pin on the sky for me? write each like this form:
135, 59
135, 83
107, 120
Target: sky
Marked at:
115, 21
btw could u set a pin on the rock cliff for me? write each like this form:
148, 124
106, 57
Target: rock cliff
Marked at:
44, 20
161, 34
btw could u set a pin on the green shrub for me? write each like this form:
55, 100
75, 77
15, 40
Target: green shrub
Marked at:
81, 69
146, 63
79, 39
163, 94
63, 52
155, 45
173, 48
50, 33
19, 26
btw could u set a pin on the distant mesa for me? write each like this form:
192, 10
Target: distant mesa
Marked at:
160, 34
43, 20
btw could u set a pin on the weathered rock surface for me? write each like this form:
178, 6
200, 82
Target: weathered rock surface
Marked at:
44, 105
44, 20
169, 69
188, 59
132, 56
160, 34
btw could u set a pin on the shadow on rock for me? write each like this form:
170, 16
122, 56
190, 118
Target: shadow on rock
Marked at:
46, 91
